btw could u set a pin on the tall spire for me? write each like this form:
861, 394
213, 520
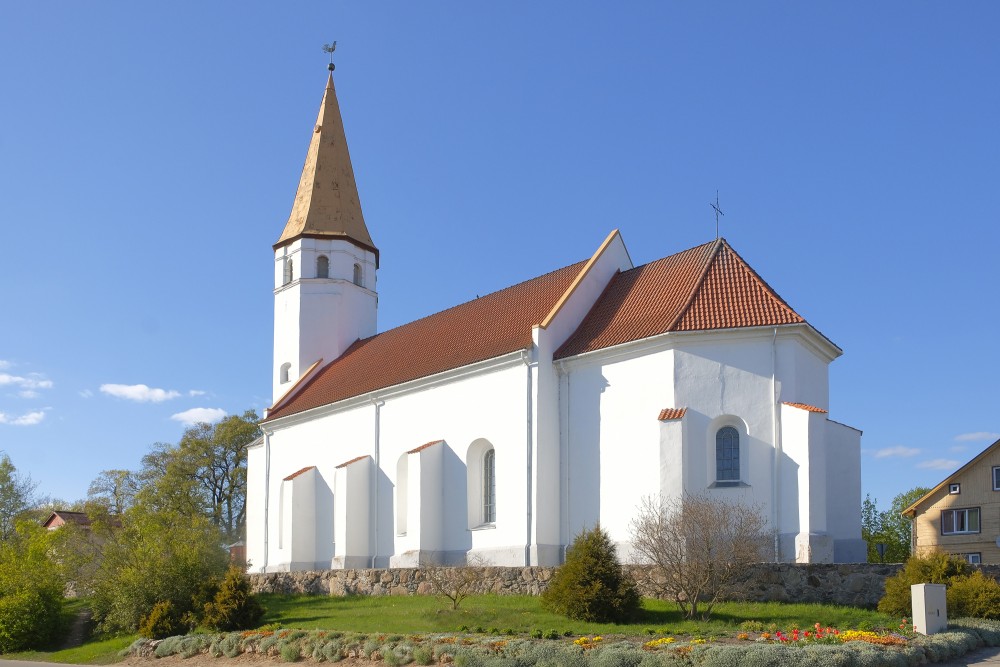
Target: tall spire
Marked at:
327, 203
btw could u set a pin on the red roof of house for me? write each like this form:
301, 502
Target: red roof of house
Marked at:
482, 329
668, 414
706, 287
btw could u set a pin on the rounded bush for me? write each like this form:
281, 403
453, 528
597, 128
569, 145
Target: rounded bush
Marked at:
592, 585
163, 620
931, 569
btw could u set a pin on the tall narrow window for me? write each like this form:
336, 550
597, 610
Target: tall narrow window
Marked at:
357, 275
289, 272
322, 266
489, 487
727, 456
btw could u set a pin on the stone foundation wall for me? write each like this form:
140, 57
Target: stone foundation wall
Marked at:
857, 584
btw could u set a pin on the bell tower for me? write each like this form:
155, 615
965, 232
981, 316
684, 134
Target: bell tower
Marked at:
325, 262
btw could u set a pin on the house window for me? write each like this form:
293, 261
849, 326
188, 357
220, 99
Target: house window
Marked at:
727, 456
357, 275
959, 522
973, 559
489, 487
996, 478
954, 489
322, 266
289, 272
283, 375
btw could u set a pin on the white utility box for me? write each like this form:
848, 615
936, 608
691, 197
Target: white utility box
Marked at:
930, 614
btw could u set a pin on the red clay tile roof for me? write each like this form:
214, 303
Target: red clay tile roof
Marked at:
482, 329
299, 472
423, 447
354, 460
668, 414
706, 287
806, 406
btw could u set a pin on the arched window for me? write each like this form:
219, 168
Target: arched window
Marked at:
322, 266
283, 374
357, 275
289, 272
727, 456
489, 487
481, 484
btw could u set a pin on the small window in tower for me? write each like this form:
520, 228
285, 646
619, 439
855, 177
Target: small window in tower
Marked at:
283, 374
289, 272
357, 275
323, 267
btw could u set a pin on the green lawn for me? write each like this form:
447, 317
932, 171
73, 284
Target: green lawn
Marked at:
522, 614
425, 614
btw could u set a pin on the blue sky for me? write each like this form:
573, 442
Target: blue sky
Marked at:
149, 155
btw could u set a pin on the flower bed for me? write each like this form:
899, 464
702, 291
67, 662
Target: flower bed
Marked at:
818, 646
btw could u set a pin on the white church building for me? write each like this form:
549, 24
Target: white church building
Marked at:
500, 428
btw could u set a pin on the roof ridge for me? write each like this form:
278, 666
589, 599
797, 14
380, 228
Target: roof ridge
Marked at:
763, 282
699, 283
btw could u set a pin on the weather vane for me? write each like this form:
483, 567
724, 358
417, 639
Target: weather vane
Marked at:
330, 48
718, 212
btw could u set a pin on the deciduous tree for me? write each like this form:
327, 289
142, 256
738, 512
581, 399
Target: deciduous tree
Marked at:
205, 473
17, 493
890, 528
699, 547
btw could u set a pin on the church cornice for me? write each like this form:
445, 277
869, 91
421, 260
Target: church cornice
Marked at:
803, 332
503, 362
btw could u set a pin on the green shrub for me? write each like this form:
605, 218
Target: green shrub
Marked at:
591, 585
234, 606
31, 589
974, 595
163, 621
932, 569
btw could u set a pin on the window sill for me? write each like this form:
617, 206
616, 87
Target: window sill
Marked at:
728, 485
484, 526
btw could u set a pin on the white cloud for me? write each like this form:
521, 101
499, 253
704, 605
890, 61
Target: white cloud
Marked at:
31, 381
940, 464
29, 419
28, 393
4, 364
139, 393
898, 450
196, 415
957, 448
86, 393
196, 392
978, 436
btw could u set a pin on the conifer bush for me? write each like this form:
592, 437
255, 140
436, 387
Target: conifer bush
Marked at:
234, 606
163, 620
592, 585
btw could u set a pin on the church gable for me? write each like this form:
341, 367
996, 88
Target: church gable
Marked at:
706, 287
487, 327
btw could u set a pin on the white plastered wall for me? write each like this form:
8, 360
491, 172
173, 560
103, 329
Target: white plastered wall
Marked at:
489, 406
319, 318
843, 484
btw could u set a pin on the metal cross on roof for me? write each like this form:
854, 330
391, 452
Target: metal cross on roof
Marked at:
718, 212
